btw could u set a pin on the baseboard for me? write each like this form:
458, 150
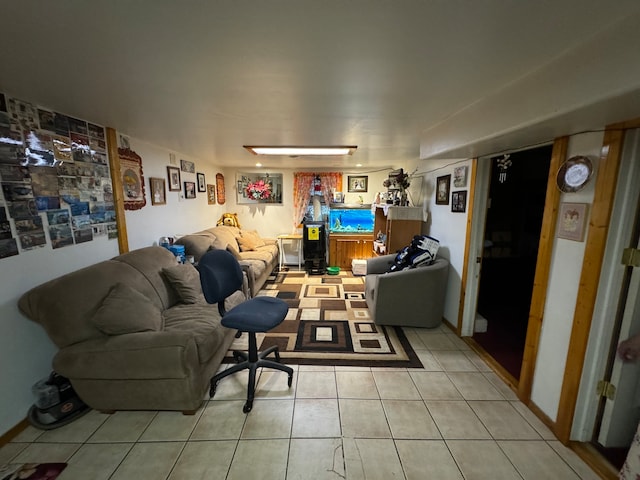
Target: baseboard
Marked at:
594, 459
13, 432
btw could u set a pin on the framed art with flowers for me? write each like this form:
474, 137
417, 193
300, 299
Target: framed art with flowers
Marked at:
253, 188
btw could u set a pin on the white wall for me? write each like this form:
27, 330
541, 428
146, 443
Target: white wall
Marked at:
448, 227
26, 352
180, 215
562, 292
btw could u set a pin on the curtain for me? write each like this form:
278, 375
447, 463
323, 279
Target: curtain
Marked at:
302, 183
330, 182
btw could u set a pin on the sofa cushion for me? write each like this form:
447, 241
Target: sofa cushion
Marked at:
197, 244
233, 250
125, 310
185, 279
226, 236
249, 240
203, 322
257, 266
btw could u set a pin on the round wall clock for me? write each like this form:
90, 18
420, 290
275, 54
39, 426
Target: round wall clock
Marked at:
574, 174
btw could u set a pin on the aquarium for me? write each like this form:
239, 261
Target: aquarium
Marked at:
350, 219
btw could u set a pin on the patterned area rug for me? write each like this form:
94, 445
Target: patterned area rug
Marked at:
31, 471
328, 323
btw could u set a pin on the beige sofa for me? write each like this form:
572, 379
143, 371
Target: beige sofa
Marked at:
410, 298
258, 256
133, 332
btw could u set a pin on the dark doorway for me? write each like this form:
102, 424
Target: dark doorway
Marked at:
517, 194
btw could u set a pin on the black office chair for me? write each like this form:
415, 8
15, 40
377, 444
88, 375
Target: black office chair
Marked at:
220, 276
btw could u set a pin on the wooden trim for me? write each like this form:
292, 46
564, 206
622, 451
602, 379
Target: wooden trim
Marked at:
589, 277
498, 369
13, 432
118, 192
626, 125
595, 460
467, 244
543, 266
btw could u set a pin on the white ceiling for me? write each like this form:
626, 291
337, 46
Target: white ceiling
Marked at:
403, 79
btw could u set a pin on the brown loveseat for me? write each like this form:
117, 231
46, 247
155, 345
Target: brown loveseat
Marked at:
258, 256
134, 332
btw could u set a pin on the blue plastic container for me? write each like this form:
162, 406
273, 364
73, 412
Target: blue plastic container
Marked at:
178, 251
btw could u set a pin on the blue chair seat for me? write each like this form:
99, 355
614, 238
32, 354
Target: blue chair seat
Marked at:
260, 314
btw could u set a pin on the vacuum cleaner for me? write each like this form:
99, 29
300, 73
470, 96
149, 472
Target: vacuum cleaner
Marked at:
57, 403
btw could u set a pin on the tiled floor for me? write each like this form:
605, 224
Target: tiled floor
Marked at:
454, 419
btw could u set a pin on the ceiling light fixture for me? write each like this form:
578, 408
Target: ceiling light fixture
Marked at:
301, 151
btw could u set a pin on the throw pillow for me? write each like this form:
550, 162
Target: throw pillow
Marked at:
125, 310
249, 240
185, 280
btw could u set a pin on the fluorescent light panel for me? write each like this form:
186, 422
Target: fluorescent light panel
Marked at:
300, 151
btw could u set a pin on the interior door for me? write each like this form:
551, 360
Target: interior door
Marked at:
621, 414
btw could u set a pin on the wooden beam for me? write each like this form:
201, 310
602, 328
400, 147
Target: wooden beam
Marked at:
589, 277
118, 192
543, 266
467, 243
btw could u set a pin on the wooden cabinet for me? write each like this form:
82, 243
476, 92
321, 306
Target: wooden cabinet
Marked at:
399, 224
344, 248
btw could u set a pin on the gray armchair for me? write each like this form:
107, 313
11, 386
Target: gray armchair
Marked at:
411, 298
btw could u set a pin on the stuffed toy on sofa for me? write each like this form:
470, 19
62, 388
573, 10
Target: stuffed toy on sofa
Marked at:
229, 219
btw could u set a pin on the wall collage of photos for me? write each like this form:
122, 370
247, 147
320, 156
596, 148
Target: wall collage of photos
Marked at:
56, 185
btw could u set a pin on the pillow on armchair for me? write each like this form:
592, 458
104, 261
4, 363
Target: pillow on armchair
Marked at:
422, 251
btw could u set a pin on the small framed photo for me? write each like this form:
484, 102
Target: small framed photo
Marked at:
173, 174
357, 183
158, 192
572, 221
459, 201
202, 186
460, 177
187, 166
211, 194
443, 185
189, 189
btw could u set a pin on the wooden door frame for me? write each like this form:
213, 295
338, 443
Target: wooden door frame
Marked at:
118, 192
543, 268
601, 210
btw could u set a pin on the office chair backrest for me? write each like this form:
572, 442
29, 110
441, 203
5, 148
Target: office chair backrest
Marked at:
220, 276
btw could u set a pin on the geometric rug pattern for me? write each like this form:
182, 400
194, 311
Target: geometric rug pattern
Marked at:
328, 323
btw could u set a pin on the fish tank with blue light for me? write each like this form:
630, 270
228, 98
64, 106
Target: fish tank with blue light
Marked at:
345, 218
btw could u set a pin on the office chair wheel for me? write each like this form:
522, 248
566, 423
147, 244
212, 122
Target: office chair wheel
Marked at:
247, 407
290, 380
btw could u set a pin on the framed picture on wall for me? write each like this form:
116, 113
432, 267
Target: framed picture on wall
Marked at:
459, 201
189, 189
572, 221
443, 184
460, 177
211, 194
173, 174
202, 186
158, 192
187, 166
357, 183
